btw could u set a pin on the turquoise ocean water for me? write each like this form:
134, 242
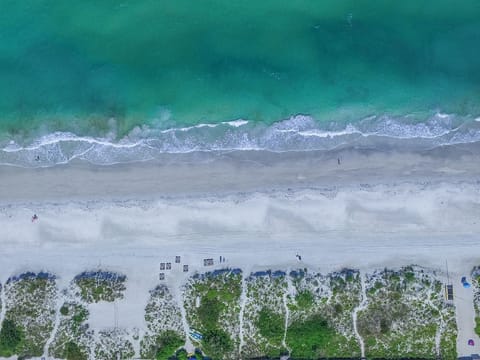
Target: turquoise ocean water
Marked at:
120, 80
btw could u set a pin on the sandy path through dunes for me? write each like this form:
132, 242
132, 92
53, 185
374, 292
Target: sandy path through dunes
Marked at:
465, 312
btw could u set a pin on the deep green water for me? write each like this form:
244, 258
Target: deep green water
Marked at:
72, 65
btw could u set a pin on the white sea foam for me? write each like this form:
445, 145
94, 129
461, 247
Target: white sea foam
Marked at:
188, 128
442, 115
60, 137
236, 123
350, 129
298, 133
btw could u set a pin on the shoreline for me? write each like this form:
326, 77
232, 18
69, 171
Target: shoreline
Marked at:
297, 133
202, 174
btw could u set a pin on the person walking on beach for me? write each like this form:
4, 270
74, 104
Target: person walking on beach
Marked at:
34, 217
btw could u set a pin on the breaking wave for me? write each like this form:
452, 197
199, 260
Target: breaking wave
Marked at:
298, 133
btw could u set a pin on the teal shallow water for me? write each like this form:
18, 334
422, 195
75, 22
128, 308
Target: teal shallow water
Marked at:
72, 66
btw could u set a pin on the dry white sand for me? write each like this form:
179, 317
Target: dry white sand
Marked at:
258, 210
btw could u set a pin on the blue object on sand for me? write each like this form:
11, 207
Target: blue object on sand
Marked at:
195, 335
465, 283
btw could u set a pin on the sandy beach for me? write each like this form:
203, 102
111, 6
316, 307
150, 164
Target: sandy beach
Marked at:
258, 210
372, 201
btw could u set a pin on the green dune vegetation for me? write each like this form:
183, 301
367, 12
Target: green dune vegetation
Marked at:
406, 316
164, 334
72, 340
301, 314
264, 315
320, 316
476, 297
29, 314
212, 303
100, 286
113, 344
